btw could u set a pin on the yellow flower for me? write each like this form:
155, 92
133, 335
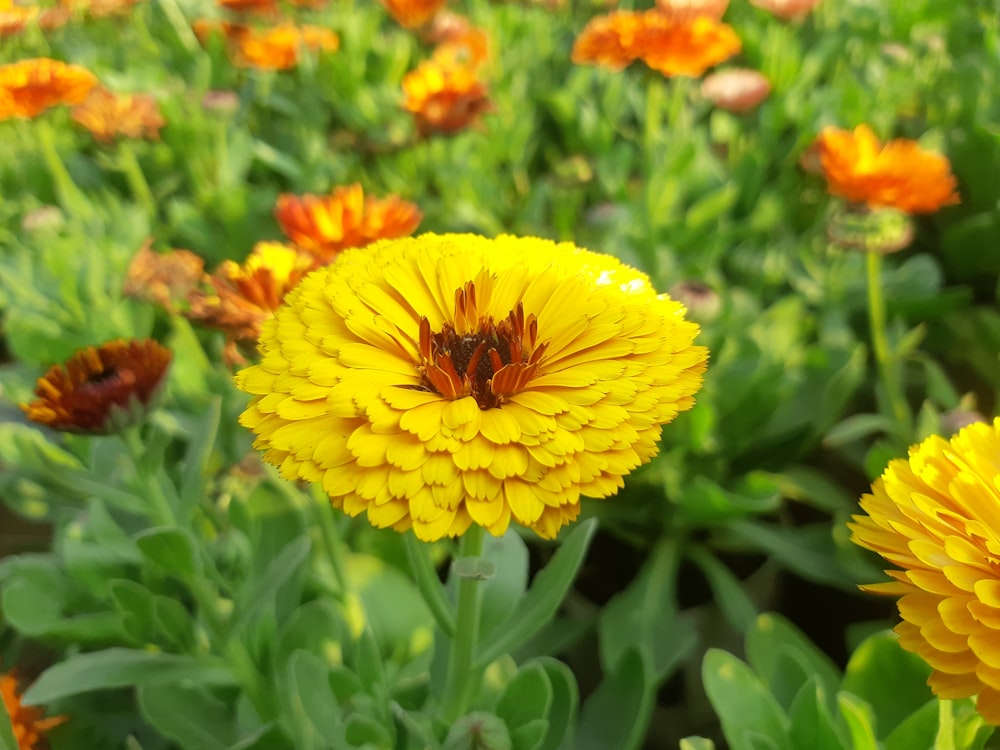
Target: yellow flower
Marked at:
936, 515
444, 380
29, 87
100, 389
897, 175
444, 94
29, 726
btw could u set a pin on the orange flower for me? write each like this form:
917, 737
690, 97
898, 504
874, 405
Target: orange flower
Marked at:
29, 87
107, 115
29, 725
413, 13
668, 45
687, 10
13, 18
279, 48
469, 46
100, 389
443, 96
323, 225
897, 175
736, 90
165, 279
249, 6
244, 296
786, 9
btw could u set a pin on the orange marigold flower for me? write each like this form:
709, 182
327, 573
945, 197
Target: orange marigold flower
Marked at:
165, 279
280, 48
443, 96
101, 389
897, 175
936, 515
108, 115
244, 296
413, 13
28, 722
249, 6
29, 87
323, 225
786, 9
472, 47
736, 90
687, 10
13, 18
668, 45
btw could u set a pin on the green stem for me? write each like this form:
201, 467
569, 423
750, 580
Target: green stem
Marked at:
461, 674
880, 345
653, 117
945, 739
332, 542
175, 16
129, 165
66, 190
428, 583
161, 513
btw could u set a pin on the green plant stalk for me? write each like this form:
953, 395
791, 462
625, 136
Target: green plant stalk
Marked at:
180, 24
945, 739
160, 511
333, 545
461, 674
880, 345
428, 584
653, 116
129, 165
66, 190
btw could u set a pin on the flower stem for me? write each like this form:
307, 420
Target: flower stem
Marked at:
175, 16
945, 739
161, 513
129, 165
427, 582
66, 190
880, 345
332, 542
461, 675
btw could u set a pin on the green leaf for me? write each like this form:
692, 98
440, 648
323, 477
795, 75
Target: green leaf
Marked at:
501, 594
730, 596
565, 702
198, 452
135, 603
807, 550
259, 594
360, 730
785, 659
860, 722
812, 723
529, 736
856, 427
543, 599
120, 667
313, 698
32, 605
188, 715
917, 731
891, 680
696, 743
173, 549
742, 701
478, 730
527, 697
617, 713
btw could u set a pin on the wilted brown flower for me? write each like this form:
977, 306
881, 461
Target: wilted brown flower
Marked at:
443, 96
28, 722
898, 175
687, 10
100, 389
29, 87
672, 47
108, 115
736, 89
413, 13
786, 9
323, 225
165, 279
244, 296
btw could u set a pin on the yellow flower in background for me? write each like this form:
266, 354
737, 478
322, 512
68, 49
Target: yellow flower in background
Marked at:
100, 389
444, 380
936, 516
444, 95
108, 115
29, 87
28, 722
13, 18
898, 174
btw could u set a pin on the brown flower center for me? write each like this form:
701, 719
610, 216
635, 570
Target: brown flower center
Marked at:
478, 356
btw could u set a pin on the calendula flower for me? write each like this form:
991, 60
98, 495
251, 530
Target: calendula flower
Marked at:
29, 722
936, 516
13, 18
898, 175
787, 10
440, 381
165, 279
456, 40
249, 6
413, 13
244, 296
323, 225
444, 96
29, 87
736, 90
671, 46
109, 116
687, 10
100, 389
280, 47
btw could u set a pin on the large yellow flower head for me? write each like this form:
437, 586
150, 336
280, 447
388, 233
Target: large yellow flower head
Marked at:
936, 515
439, 381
